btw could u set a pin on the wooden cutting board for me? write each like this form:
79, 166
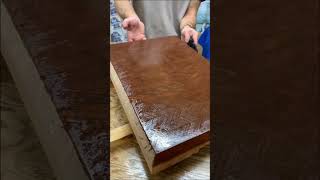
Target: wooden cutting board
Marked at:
164, 87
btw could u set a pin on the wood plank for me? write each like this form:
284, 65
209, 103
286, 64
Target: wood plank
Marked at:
120, 132
163, 86
119, 124
60, 73
117, 116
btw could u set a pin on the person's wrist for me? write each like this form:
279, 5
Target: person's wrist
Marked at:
132, 15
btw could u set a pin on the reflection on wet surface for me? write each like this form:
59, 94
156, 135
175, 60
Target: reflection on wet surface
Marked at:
168, 86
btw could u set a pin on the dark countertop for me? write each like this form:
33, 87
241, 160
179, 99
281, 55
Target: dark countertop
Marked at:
66, 40
266, 90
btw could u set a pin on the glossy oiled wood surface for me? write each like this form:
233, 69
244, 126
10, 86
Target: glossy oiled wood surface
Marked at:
266, 90
127, 162
66, 40
167, 84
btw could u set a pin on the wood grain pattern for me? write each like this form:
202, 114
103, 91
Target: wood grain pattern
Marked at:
120, 132
127, 162
72, 68
163, 86
118, 119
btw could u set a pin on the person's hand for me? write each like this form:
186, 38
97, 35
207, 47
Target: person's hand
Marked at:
135, 28
188, 32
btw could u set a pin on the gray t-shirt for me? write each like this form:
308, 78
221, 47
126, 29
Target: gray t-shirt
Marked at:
161, 17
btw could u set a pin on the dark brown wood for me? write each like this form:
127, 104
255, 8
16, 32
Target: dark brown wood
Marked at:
66, 41
266, 90
167, 86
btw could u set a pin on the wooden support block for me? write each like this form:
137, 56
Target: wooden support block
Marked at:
119, 125
163, 86
120, 132
126, 161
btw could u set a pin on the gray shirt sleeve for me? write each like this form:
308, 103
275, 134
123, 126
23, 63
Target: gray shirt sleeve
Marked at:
161, 17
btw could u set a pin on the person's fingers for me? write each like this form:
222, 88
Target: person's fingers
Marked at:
125, 24
131, 26
143, 37
195, 37
182, 36
135, 37
139, 37
135, 29
135, 22
130, 23
187, 36
130, 37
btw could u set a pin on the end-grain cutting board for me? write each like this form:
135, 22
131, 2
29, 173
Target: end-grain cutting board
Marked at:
164, 88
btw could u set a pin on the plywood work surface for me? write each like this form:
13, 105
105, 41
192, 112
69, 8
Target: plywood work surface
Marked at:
127, 163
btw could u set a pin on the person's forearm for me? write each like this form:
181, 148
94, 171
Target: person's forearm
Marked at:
124, 8
191, 15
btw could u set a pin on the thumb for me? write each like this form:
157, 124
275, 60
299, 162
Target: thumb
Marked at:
195, 38
130, 23
186, 37
125, 23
